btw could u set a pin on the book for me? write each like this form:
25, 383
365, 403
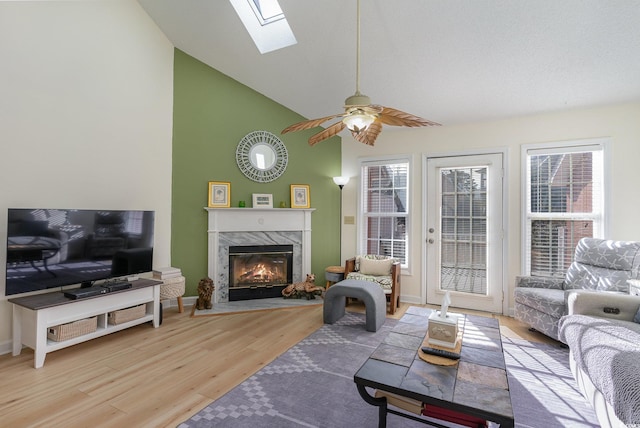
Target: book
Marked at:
166, 272
452, 416
166, 275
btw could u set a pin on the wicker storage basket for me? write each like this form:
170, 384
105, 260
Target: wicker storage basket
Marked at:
128, 314
172, 287
70, 330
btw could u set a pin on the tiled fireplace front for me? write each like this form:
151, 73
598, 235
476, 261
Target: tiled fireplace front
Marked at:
239, 228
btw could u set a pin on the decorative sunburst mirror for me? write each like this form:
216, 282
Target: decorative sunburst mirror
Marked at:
261, 156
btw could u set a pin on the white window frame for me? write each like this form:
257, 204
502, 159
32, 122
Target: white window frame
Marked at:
362, 224
602, 217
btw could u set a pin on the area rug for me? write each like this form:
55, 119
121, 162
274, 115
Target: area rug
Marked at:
241, 306
311, 385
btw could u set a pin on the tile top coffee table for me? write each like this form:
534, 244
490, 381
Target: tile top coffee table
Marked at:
476, 386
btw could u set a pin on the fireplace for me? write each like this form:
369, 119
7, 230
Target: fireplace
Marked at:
238, 227
259, 271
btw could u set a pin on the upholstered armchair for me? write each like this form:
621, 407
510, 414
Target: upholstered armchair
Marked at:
599, 265
382, 270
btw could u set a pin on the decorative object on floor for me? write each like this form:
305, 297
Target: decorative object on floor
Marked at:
262, 200
370, 293
382, 270
306, 289
543, 392
205, 289
362, 118
219, 194
300, 196
261, 156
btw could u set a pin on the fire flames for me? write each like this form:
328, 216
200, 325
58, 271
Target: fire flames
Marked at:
261, 273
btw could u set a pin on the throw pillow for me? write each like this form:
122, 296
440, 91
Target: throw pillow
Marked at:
375, 267
637, 317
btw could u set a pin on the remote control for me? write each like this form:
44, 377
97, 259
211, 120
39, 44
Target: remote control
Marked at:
441, 353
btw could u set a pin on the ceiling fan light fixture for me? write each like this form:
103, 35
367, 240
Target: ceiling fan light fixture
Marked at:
357, 120
357, 100
363, 119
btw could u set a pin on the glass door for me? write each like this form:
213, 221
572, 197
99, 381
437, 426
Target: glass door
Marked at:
464, 231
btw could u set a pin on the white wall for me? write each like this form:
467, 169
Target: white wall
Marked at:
621, 123
86, 110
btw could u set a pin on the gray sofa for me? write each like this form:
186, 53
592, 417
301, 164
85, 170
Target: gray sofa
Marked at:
604, 345
599, 265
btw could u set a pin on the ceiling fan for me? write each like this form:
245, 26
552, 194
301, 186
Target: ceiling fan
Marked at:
362, 118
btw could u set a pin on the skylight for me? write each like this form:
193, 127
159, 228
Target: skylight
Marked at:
266, 10
266, 24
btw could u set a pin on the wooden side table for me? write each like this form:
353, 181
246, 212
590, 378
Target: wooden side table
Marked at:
173, 288
333, 274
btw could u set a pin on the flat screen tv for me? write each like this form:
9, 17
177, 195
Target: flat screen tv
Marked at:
49, 248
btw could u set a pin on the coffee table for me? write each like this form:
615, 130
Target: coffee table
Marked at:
476, 386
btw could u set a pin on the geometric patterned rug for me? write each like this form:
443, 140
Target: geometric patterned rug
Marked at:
311, 385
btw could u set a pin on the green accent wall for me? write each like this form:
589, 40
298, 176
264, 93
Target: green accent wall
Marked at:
211, 114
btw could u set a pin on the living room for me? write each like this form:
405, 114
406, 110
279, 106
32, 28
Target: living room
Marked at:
101, 111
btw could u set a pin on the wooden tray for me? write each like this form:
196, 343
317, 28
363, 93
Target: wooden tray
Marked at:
440, 361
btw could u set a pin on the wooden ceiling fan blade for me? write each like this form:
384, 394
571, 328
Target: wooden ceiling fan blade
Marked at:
394, 117
327, 133
369, 135
308, 124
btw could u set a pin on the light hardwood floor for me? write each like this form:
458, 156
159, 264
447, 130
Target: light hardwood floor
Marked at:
146, 377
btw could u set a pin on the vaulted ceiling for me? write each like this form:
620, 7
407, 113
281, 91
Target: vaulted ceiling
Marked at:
450, 61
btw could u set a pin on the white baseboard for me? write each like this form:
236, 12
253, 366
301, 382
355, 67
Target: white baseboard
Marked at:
6, 347
173, 303
414, 300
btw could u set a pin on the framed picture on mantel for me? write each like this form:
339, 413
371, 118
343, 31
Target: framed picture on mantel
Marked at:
219, 194
262, 200
300, 196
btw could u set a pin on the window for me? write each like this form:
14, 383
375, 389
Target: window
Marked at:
134, 222
265, 22
385, 208
564, 200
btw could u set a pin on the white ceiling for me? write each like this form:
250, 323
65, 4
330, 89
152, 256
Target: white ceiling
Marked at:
450, 61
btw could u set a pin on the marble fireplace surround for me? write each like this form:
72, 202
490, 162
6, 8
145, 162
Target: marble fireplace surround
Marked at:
256, 226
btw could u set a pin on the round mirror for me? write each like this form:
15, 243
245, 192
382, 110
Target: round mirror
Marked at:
261, 156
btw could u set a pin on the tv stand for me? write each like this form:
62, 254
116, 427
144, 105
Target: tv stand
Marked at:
33, 315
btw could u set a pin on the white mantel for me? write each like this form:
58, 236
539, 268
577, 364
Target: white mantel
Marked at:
231, 221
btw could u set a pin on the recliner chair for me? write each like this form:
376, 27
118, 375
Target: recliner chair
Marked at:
599, 265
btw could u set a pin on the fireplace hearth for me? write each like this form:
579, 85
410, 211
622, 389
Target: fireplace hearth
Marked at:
259, 271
